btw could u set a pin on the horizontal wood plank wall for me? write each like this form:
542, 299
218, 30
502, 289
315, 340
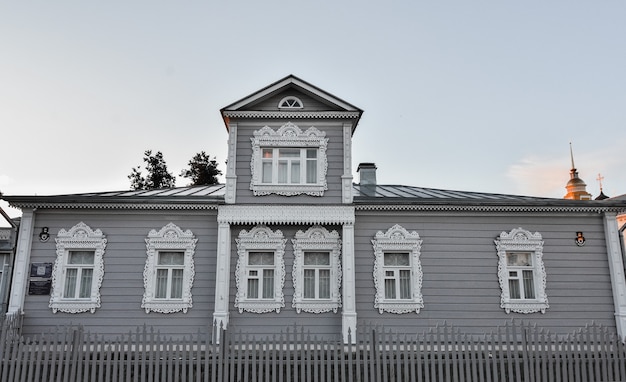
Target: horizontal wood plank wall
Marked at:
124, 260
334, 155
325, 325
460, 265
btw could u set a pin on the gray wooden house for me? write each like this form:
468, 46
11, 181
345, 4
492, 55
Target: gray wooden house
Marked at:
292, 238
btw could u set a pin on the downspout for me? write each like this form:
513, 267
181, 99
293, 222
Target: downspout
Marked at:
616, 269
622, 236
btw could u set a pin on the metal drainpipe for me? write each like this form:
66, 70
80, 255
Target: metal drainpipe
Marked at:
623, 245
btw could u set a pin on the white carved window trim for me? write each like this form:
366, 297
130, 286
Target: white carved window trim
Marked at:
170, 238
78, 238
288, 136
290, 102
260, 238
521, 240
397, 239
316, 239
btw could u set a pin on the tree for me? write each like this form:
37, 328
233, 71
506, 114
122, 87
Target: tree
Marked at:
202, 170
158, 176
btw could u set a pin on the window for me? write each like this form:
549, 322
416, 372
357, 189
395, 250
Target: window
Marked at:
78, 270
290, 103
78, 274
316, 270
397, 271
260, 272
289, 166
288, 161
397, 276
521, 272
260, 275
169, 271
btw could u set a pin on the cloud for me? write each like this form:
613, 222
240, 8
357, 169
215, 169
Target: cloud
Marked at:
539, 176
546, 176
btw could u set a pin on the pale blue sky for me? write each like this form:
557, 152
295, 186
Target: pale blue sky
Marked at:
465, 95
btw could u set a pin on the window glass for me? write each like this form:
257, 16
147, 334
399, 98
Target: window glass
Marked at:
171, 258
519, 259
397, 259
81, 257
316, 258
261, 258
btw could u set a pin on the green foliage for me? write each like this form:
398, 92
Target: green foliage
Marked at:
202, 170
157, 177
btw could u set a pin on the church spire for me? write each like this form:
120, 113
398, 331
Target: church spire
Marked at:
576, 187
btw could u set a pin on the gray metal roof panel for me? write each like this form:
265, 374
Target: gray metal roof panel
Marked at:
408, 194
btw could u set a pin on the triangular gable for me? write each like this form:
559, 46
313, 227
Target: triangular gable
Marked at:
288, 82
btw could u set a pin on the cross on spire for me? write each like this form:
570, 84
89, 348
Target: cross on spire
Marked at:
600, 178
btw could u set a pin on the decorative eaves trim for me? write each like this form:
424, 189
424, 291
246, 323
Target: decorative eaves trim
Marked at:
117, 206
285, 214
292, 114
483, 208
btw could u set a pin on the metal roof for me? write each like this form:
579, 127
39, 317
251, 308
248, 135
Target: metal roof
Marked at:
400, 194
209, 197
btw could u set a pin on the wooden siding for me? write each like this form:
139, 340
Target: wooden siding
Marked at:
334, 155
322, 324
458, 255
124, 260
460, 265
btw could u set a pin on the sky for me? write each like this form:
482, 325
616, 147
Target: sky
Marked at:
462, 95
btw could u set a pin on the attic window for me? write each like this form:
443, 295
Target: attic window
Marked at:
290, 103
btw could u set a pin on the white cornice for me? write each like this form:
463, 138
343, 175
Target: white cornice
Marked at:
483, 208
117, 206
292, 114
285, 214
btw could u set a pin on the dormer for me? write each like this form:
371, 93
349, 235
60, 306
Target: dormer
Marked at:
290, 143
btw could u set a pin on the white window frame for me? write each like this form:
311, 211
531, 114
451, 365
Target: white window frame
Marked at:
290, 102
398, 240
170, 238
78, 238
260, 239
316, 239
288, 136
520, 240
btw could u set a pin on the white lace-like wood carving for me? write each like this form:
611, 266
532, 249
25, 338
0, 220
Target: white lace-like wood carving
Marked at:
398, 240
288, 135
78, 238
521, 240
169, 238
316, 239
260, 239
